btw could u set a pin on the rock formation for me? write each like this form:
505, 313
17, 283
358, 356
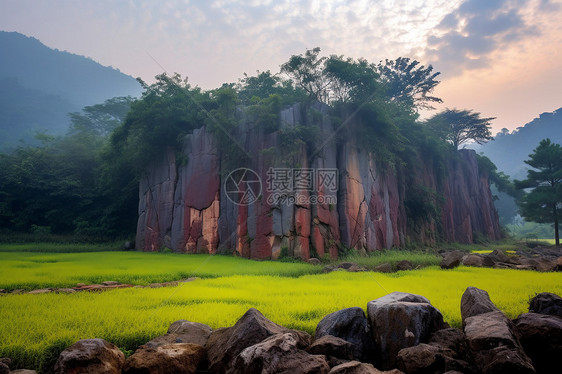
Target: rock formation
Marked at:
185, 207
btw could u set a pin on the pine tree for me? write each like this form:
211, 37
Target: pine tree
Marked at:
543, 204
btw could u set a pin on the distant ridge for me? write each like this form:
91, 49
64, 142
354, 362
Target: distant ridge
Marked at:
40, 85
509, 150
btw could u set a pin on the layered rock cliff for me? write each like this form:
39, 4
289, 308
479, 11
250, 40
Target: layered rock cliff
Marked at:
185, 206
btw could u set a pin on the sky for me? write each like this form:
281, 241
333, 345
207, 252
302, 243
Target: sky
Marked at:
501, 58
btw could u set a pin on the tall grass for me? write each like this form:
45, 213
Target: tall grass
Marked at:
374, 259
31, 270
45, 247
35, 328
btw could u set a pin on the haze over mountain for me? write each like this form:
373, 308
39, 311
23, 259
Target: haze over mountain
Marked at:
509, 150
39, 86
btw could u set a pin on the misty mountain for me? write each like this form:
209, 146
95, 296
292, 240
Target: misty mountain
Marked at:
39, 86
509, 150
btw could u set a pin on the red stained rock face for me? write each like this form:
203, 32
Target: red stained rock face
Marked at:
183, 205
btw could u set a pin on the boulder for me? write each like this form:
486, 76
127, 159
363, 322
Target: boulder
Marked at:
110, 283
180, 358
497, 256
383, 268
451, 259
329, 345
473, 260
503, 360
190, 332
351, 325
475, 301
495, 346
4, 369
23, 371
454, 347
546, 303
356, 367
40, 291
280, 353
356, 268
90, 356
545, 264
454, 341
504, 265
541, 338
347, 265
400, 320
404, 265
225, 344
314, 261
489, 330
65, 290
351, 267
422, 358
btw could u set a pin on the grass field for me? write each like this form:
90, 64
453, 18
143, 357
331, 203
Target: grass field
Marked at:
32, 270
60, 247
35, 328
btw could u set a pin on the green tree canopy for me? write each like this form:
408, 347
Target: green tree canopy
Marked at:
251, 89
101, 119
543, 204
307, 71
167, 110
351, 81
460, 126
408, 82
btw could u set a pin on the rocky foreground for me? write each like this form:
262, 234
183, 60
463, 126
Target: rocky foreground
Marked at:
402, 333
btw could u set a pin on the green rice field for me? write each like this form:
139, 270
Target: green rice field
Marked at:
34, 329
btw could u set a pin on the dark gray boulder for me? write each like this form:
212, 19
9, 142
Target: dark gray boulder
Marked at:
541, 338
475, 301
90, 356
280, 353
546, 303
225, 344
351, 325
400, 320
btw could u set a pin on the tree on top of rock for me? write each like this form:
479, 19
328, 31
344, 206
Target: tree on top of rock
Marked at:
461, 126
335, 80
308, 72
543, 204
408, 82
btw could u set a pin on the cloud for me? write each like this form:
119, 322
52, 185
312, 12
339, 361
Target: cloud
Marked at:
467, 37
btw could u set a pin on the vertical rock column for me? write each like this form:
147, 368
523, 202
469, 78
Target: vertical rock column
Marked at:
156, 202
197, 196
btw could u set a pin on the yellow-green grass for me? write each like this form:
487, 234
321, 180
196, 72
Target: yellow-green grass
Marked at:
35, 328
60, 247
32, 270
417, 258
506, 245
486, 251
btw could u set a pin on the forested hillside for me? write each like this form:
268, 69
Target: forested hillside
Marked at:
509, 149
39, 86
508, 152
